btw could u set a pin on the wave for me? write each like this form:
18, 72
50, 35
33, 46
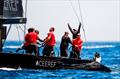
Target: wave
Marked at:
99, 46
9, 69
11, 47
84, 47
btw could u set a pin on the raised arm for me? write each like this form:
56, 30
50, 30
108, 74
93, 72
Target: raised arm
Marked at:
70, 28
78, 31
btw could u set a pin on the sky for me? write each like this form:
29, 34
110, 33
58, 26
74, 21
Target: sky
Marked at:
100, 18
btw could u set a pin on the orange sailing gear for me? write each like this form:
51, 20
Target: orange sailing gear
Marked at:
77, 44
50, 39
31, 38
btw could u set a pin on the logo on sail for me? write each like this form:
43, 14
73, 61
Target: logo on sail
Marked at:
13, 8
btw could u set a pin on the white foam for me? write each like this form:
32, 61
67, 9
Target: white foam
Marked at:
88, 47
99, 46
8, 69
11, 47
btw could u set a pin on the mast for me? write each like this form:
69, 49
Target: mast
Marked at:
1, 25
0, 37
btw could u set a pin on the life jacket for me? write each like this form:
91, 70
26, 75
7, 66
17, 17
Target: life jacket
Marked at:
30, 38
52, 41
77, 44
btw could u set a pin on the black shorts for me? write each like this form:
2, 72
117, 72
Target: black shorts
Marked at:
47, 50
30, 48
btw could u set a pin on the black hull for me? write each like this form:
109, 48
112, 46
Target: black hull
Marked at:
35, 62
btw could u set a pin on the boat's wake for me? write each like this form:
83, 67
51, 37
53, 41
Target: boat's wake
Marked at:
99, 46
86, 47
10, 69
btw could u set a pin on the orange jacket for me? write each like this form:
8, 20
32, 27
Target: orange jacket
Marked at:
77, 44
50, 39
30, 38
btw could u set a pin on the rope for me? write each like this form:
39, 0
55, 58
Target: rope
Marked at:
9, 30
26, 8
26, 3
23, 30
7, 35
78, 17
18, 34
82, 21
74, 11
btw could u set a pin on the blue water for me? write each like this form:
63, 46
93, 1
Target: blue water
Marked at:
109, 51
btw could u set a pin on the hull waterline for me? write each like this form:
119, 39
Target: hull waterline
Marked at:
40, 62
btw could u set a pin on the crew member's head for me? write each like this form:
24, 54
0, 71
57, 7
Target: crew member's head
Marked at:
78, 35
31, 29
97, 55
36, 31
66, 33
52, 29
74, 30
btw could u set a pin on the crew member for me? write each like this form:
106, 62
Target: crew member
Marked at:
37, 32
97, 57
77, 46
49, 43
64, 44
30, 44
74, 31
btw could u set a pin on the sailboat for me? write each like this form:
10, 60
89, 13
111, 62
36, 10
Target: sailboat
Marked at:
11, 14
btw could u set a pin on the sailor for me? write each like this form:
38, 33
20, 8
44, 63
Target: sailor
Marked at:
77, 46
30, 44
74, 31
64, 44
37, 32
49, 43
39, 44
97, 57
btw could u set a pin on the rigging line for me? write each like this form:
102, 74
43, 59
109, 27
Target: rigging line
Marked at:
18, 33
9, 30
22, 29
79, 19
75, 11
26, 4
82, 21
7, 35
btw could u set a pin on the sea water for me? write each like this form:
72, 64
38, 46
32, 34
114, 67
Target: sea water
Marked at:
109, 51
